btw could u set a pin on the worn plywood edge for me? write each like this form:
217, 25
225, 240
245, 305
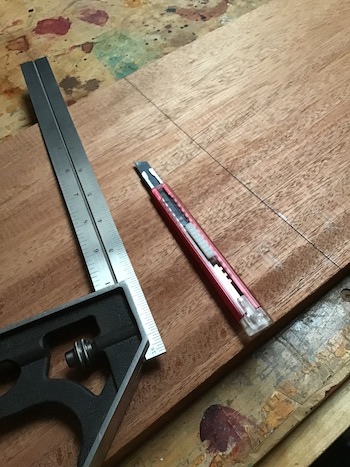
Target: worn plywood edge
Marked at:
115, 458
284, 449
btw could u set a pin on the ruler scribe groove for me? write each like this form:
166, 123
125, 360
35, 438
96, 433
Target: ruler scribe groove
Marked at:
101, 245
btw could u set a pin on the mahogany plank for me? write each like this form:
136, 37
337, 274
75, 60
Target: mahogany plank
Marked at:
268, 98
41, 265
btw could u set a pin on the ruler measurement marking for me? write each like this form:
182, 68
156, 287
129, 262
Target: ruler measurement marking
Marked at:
102, 248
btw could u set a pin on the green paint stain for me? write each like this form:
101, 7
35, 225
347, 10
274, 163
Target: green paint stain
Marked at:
123, 54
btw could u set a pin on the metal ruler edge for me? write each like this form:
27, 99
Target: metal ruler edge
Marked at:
101, 245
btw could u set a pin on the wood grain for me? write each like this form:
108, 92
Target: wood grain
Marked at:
41, 265
268, 98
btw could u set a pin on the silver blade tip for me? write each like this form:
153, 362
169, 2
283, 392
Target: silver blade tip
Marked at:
142, 166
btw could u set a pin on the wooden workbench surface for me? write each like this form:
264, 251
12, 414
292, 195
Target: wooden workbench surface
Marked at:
267, 115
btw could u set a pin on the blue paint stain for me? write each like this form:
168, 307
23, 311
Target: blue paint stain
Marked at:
122, 54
